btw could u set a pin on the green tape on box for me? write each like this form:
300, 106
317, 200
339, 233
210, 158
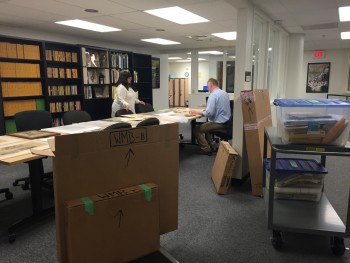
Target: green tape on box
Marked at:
148, 192
89, 205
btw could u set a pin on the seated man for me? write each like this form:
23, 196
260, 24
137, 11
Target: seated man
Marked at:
218, 112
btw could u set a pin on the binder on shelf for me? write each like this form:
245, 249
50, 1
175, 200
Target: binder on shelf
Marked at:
12, 107
11, 50
20, 51
3, 50
18, 89
31, 52
10, 126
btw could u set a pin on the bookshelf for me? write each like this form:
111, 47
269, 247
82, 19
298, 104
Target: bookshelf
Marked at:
119, 60
96, 82
63, 81
142, 76
22, 79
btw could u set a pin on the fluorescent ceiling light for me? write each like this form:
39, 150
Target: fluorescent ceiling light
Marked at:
199, 59
232, 56
160, 41
177, 15
211, 52
172, 58
345, 35
88, 25
183, 60
226, 35
344, 13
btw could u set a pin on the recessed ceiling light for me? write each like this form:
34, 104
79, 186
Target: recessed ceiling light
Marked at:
172, 58
88, 25
345, 35
160, 41
199, 59
344, 13
232, 56
226, 35
91, 10
209, 52
177, 15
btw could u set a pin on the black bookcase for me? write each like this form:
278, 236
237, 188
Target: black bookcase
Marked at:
142, 72
22, 79
63, 79
96, 82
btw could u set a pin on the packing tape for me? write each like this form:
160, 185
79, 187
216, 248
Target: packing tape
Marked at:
89, 205
148, 192
255, 126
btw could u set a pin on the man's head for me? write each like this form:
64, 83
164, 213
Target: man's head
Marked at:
212, 84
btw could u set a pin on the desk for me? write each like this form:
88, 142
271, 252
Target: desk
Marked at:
36, 172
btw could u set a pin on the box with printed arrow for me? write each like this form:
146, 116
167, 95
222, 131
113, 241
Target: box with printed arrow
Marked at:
115, 226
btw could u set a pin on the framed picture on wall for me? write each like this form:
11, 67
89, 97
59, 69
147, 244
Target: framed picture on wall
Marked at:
318, 77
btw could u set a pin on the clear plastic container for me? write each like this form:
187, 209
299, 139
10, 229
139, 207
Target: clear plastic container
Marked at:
313, 121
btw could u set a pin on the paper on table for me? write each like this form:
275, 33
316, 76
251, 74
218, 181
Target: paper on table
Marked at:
73, 129
174, 116
17, 149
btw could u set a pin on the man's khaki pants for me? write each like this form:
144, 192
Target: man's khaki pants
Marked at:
204, 138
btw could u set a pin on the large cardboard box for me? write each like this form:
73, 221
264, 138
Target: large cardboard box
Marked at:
223, 167
96, 162
256, 116
111, 227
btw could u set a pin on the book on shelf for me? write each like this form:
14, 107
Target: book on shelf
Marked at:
31, 52
19, 70
3, 50
87, 92
120, 60
33, 134
115, 75
57, 122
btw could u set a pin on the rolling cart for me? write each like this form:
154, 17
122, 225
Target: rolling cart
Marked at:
318, 218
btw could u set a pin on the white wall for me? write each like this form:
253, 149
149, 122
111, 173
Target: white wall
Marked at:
206, 69
338, 77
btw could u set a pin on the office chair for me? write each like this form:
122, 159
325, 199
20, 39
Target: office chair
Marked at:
148, 122
140, 108
121, 112
119, 125
75, 116
31, 120
8, 194
225, 134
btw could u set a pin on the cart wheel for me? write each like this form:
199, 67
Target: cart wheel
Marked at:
8, 195
25, 186
276, 239
337, 246
12, 237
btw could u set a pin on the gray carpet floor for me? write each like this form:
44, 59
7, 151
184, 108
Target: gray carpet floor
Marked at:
212, 228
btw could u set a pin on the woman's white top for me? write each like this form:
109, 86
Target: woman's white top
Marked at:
124, 97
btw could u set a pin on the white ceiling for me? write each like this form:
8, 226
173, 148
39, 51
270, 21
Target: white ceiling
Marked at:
321, 15
135, 24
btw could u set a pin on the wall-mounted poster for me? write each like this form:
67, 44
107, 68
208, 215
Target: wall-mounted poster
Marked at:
318, 77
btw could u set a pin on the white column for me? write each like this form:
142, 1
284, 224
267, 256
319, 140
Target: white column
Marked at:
194, 71
224, 70
295, 85
243, 64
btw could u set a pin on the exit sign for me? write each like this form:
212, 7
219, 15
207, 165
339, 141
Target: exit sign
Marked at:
319, 54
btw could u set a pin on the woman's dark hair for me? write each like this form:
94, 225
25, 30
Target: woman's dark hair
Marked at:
123, 78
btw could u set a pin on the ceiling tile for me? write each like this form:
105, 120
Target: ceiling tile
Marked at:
143, 5
103, 6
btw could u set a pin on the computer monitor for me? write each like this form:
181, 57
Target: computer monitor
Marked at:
205, 88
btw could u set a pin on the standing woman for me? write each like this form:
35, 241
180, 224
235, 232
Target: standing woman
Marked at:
125, 96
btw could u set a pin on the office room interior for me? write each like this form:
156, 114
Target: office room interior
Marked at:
274, 44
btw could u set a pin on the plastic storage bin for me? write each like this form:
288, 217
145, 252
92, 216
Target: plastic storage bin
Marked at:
313, 121
297, 179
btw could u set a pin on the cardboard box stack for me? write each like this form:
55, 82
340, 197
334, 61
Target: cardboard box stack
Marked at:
256, 116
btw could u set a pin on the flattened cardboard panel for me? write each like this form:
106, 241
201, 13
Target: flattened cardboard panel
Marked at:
96, 162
